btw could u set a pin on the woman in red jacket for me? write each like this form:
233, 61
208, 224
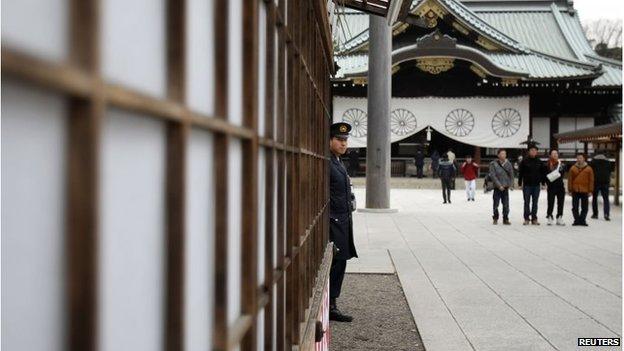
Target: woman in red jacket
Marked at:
470, 170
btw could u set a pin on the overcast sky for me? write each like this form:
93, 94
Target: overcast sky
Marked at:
590, 10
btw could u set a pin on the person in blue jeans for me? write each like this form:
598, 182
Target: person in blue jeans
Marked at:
531, 175
602, 180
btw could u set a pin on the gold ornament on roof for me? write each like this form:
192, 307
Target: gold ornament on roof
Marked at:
435, 65
431, 11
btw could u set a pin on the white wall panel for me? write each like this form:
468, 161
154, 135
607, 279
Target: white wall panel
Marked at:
541, 131
199, 245
39, 27
235, 61
262, 60
261, 213
200, 74
260, 330
567, 124
134, 45
33, 233
235, 182
132, 218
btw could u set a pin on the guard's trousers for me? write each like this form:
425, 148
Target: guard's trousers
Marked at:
336, 276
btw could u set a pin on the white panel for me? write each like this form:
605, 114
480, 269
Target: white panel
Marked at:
133, 44
235, 183
541, 131
39, 27
260, 330
567, 124
275, 82
235, 62
582, 123
261, 212
199, 247
132, 256
200, 61
33, 192
262, 54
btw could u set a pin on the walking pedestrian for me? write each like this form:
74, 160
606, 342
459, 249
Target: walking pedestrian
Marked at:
602, 180
532, 174
470, 170
555, 190
502, 176
580, 186
446, 172
341, 222
435, 162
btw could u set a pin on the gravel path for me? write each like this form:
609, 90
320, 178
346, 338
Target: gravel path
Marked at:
382, 319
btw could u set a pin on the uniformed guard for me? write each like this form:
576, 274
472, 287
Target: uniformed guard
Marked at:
342, 203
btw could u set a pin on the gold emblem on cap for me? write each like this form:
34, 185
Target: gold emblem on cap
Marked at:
343, 129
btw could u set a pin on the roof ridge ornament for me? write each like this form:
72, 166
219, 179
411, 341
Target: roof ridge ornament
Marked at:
436, 40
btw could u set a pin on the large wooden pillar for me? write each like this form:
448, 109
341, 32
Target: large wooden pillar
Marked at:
378, 138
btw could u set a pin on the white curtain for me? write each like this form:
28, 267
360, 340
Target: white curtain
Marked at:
480, 121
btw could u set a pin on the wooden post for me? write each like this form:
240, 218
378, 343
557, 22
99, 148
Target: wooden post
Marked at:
477, 158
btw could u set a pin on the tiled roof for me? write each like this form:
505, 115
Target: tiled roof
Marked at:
537, 66
547, 38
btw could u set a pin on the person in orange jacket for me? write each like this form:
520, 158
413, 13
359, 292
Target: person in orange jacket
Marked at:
581, 187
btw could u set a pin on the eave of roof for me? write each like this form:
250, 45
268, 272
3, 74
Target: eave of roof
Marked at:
607, 132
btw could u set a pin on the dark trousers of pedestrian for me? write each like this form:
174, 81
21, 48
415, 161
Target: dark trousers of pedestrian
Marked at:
582, 200
501, 196
336, 276
446, 189
419, 171
531, 197
559, 195
602, 189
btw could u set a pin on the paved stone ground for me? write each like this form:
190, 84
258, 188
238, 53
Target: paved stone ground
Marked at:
474, 286
382, 319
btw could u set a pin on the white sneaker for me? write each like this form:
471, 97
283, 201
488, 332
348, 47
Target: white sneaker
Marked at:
550, 220
560, 221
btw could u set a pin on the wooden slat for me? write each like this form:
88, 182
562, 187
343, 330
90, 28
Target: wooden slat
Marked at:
63, 78
177, 135
82, 222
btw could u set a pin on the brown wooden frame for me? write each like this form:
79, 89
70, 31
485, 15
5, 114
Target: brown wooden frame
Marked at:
298, 147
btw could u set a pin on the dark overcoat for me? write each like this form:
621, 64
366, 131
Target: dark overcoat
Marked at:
340, 220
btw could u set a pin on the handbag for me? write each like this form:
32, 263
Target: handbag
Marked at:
554, 175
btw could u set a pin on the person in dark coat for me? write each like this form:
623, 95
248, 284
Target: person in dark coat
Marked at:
341, 223
555, 190
419, 161
435, 162
446, 172
532, 174
354, 162
602, 181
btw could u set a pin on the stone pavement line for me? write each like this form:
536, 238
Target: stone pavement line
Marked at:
552, 262
539, 283
437, 326
486, 284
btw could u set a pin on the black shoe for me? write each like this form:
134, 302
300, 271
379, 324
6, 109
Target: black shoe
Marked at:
584, 224
506, 222
594, 216
336, 315
576, 223
444, 202
607, 218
